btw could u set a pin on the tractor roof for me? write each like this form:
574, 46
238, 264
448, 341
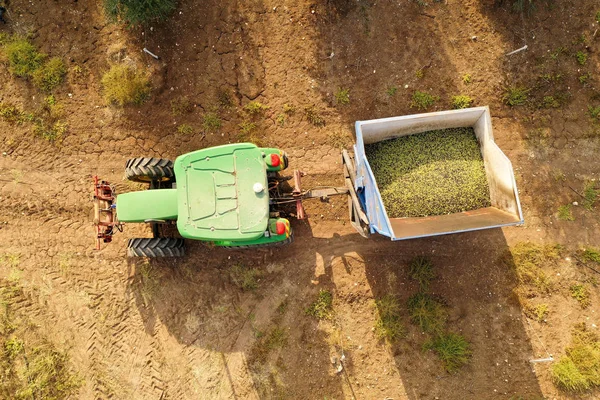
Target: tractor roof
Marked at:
216, 196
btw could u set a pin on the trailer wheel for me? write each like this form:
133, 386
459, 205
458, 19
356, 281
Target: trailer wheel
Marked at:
148, 169
156, 247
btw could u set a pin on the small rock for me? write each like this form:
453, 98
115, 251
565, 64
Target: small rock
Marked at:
334, 360
575, 203
340, 368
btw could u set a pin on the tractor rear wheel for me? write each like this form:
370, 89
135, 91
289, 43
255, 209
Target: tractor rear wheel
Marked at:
156, 247
148, 169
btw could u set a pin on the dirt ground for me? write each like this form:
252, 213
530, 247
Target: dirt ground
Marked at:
183, 329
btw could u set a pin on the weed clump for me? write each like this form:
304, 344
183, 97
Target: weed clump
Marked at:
515, 96
50, 75
23, 57
313, 116
180, 106
591, 254
211, 122
565, 213
538, 312
125, 85
255, 108
421, 270
245, 278
322, 307
461, 101
528, 258
427, 313
389, 325
453, 349
422, 100
413, 172
581, 293
579, 369
581, 57
590, 194
342, 96
185, 129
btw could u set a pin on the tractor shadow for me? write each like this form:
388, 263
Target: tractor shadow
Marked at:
269, 347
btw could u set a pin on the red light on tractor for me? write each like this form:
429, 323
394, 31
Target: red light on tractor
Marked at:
280, 228
275, 160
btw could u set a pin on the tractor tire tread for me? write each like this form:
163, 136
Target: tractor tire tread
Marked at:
156, 247
149, 167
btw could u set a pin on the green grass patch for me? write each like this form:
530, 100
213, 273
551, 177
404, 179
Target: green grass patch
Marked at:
565, 213
579, 369
181, 105
211, 122
289, 109
342, 96
538, 312
420, 269
452, 349
467, 78
135, 13
515, 96
423, 100
581, 293
125, 85
461, 101
431, 173
389, 325
245, 278
528, 258
391, 91
50, 75
276, 338
427, 313
322, 307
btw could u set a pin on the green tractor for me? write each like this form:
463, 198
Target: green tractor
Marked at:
231, 196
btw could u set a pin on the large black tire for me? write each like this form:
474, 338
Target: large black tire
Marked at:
148, 169
156, 247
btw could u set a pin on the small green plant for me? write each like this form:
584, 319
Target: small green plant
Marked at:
314, 116
594, 112
461, 101
391, 91
581, 293
598, 17
419, 74
211, 122
583, 79
565, 213
538, 312
579, 369
245, 278
590, 194
389, 325
180, 106
427, 313
423, 100
591, 254
255, 108
467, 78
225, 99
247, 127
421, 270
550, 102
50, 74
125, 85
185, 129
453, 349
556, 53
322, 307
280, 119
581, 57
23, 57
289, 109
138, 12
515, 96
342, 96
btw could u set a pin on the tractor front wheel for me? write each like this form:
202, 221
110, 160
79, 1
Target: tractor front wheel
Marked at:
156, 247
148, 169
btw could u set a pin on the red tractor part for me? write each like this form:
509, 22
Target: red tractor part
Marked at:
104, 212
